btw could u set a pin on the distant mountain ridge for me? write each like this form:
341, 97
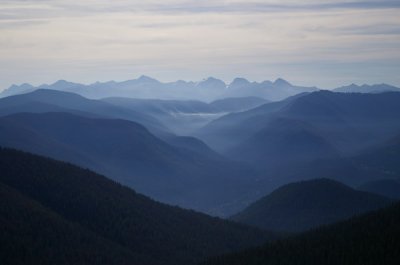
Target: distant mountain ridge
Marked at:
48, 100
146, 87
352, 119
208, 89
376, 88
180, 173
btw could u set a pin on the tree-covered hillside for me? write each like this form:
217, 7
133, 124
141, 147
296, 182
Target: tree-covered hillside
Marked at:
371, 239
57, 213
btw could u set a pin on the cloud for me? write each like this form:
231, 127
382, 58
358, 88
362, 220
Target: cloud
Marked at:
175, 39
175, 6
257, 7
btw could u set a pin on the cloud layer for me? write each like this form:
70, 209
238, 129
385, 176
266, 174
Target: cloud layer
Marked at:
326, 43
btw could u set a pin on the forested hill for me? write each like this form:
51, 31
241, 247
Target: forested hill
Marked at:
371, 239
56, 213
304, 205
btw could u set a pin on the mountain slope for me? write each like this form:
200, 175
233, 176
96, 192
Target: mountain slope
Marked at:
228, 130
350, 122
180, 116
382, 159
370, 239
285, 161
55, 202
284, 141
236, 104
185, 116
304, 205
46, 100
128, 153
31, 233
385, 187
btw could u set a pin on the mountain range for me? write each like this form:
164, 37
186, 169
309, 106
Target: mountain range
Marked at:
209, 89
146, 87
311, 135
271, 156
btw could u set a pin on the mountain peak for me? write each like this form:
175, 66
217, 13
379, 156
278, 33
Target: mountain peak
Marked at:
239, 82
266, 83
61, 81
281, 82
17, 89
212, 79
212, 82
145, 78
60, 85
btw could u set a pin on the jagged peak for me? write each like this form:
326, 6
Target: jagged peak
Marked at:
145, 78
211, 80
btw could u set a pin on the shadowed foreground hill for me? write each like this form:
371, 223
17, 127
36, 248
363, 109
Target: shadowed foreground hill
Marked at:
32, 234
371, 239
308, 204
56, 213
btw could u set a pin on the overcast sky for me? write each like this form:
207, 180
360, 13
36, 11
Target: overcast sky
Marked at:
326, 43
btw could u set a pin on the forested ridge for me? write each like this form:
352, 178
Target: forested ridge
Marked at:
56, 213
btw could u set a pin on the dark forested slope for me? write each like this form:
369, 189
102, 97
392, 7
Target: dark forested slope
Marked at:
371, 239
56, 213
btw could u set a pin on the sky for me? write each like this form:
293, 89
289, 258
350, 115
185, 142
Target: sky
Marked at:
327, 43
